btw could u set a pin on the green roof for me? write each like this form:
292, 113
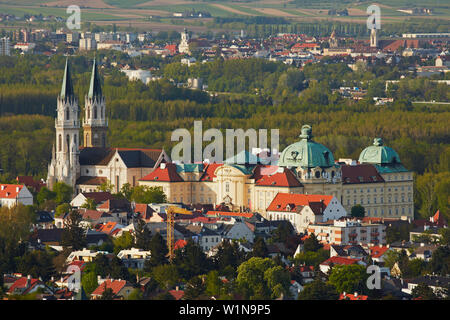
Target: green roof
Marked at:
189, 167
390, 168
95, 88
67, 86
379, 154
306, 153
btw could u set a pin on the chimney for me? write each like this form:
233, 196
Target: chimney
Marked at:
28, 283
356, 294
17, 189
3, 187
177, 288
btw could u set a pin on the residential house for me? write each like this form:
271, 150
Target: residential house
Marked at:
26, 285
332, 261
85, 255
13, 194
304, 209
121, 289
134, 258
82, 197
439, 284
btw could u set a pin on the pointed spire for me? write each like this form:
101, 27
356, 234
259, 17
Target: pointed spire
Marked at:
67, 86
95, 89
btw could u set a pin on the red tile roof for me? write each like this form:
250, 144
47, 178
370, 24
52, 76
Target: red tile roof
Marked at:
180, 244
229, 214
108, 227
361, 173
10, 191
340, 261
282, 200
209, 175
98, 197
377, 251
21, 283
279, 179
177, 294
30, 182
349, 296
92, 214
168, 174
115, 285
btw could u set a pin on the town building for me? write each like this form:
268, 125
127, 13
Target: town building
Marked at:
378, 181
13, 194
347, 231
85, 168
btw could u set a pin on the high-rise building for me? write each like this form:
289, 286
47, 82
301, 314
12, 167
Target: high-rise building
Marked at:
4, 47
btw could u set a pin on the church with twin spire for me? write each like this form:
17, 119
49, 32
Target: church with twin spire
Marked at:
84, 160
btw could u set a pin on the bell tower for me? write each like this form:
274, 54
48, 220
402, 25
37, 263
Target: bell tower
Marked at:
65, 166
95, 124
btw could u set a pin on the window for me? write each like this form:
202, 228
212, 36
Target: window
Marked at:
95, 112
227, 187
59, 143
67, 114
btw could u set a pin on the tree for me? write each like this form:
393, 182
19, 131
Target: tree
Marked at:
73, 236
136, 294
106, 186
250, 278
143, 235
144, 194
318, 290
278, 281
311, 243
89, 204
213, 283
228, 258
125, 241
358, 211
159, 251
108, 294
62, 209
423, 291
166, 275
191, 260
259, 248
195, 288
89, 282
45, 194
440, 261
349, 278
63, 192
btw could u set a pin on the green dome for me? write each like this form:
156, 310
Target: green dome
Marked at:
306, 153
379, 154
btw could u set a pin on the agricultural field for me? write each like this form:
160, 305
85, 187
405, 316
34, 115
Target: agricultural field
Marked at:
137, 13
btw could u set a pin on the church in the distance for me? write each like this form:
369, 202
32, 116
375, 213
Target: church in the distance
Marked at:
85, 160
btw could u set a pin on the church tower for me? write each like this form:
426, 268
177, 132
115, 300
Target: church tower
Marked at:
65, 166
95, 124
373, 38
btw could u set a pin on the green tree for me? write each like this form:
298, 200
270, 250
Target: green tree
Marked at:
62, 209
358, 211
250, 278
63, 192
144, 194
125, 241
166, 275
318, 290
159, 251
423, 291
143, 235
349, 278
213, 283
73, 235
259, 248
278, 281
89, 282
89, 204
311, 243
106, 186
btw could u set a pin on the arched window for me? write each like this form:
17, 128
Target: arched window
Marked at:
68, 141
67, 114
95, 112
75, 139
59, 143
89, 112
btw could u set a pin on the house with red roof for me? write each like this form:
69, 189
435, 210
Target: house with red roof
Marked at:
97, 197
303, 209
354, 296
26, 285
121, 289
377, 253
342, 261
13, 194
177, 293
31, 183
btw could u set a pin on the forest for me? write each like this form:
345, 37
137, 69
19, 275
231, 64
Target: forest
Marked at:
251, 93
